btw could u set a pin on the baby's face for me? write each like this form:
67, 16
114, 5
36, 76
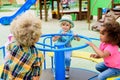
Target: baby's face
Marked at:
66, 27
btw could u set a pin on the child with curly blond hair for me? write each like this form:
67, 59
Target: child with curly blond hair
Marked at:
24, 61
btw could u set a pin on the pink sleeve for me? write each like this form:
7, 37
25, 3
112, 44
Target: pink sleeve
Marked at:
111, 49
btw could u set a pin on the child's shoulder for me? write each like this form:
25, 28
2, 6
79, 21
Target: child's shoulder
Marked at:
11, 45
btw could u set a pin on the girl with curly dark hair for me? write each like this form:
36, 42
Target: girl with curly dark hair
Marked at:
108, 50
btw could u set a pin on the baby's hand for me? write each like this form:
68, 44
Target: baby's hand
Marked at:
55, 38
77, 37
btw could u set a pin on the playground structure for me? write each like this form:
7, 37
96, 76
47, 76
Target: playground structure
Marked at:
105, 12
110, 16
58, 13
92, 9
58, 49
45, 4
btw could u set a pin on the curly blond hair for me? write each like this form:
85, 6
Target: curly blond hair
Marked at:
26, 29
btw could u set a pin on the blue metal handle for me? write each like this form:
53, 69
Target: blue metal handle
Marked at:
64, 49
3, 50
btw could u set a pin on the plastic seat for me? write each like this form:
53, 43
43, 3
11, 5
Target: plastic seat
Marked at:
1, 68
80, 54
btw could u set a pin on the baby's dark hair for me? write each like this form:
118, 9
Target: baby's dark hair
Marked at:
113, 32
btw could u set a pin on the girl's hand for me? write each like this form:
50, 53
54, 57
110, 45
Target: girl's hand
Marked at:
77, 37
94, 56
90, 44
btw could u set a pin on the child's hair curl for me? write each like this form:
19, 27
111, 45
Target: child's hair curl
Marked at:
26, 29
113, 32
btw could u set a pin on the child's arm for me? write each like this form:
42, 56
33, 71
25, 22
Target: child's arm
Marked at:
100, 53
37, 68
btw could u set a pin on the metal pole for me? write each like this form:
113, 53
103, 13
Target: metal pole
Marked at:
59, 63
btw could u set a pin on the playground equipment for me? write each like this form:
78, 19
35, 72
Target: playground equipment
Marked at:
80, 14
110, 16
96, 4
6, 20
110, 10
58, 50
3, 50
45, 4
